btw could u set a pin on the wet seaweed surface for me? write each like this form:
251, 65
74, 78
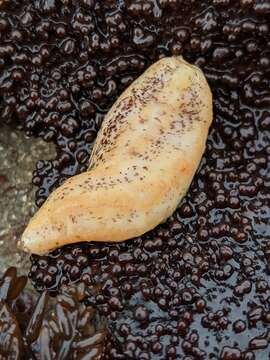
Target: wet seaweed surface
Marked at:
60, 328
197, 287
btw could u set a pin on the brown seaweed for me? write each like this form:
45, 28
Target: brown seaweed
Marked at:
60, 328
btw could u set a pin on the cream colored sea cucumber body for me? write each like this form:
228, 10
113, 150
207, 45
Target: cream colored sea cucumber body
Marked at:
146, 153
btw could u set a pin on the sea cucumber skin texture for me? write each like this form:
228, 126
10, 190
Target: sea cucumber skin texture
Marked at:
145, 156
